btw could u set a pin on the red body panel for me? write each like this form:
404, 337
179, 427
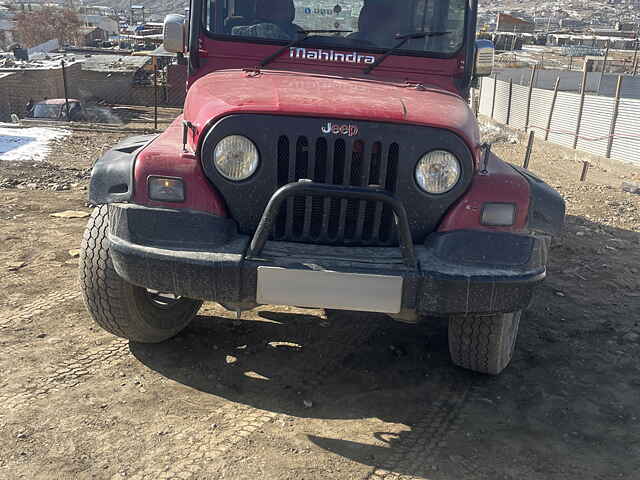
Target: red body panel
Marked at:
500, 184
318, 95
302, 87
164, 156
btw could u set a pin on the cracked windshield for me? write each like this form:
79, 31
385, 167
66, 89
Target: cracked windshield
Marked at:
363, 24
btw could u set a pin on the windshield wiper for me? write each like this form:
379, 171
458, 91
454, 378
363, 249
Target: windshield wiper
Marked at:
404, 38
295, 43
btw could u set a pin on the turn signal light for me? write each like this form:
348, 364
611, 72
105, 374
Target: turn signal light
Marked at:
498, 214
166, 189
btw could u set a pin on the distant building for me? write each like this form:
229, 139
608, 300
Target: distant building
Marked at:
92, 36
571, 23
509, 23
102, 17
590, 42
626, 26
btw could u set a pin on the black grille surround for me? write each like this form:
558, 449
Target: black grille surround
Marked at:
296, 148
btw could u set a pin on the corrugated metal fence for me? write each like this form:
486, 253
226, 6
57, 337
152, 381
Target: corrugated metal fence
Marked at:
603, 129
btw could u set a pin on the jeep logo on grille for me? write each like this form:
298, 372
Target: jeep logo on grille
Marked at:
344, 129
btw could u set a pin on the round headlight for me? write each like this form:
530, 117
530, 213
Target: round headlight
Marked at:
235, 157
438, 171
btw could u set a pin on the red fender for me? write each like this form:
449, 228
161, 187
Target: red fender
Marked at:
501, 184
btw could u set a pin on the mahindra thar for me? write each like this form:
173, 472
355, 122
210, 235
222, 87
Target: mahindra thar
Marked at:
326, 157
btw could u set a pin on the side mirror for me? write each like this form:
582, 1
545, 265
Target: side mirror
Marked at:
175, 33
484, 58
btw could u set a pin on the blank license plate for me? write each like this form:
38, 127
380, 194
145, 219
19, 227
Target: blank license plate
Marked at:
326, 289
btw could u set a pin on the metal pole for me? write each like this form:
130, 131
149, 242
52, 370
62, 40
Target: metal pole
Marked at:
553, 106
635, 57
509, 104
614, 116
531, 82
495, 87
583, 91
155, 93
527, 155
571, 63
64, 85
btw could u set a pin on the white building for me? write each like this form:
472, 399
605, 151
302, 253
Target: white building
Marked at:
101, 17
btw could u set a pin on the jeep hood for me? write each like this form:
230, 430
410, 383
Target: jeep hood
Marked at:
301, 94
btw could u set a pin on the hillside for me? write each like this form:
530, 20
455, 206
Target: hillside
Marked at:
155, 9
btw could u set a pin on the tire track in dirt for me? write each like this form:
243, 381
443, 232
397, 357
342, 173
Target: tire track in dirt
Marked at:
415, 451
38, 307
236, 421
68, 373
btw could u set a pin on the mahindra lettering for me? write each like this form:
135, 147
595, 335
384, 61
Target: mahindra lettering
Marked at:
327, 158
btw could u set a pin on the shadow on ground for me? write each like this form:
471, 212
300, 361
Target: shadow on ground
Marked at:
567, 407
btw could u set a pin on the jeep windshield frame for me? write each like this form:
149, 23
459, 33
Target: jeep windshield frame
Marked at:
219, 21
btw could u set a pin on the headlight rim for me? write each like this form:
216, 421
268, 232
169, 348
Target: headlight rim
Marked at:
219, 171
459, 179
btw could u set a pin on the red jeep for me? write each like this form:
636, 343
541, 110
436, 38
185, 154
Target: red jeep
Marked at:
326, 158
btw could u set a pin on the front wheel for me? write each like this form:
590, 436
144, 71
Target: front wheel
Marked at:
483, 344
123, 309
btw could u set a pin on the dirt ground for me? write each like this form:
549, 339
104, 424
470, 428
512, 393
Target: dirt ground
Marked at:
298, 394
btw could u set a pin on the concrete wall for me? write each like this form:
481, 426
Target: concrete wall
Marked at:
121, 88
17, 87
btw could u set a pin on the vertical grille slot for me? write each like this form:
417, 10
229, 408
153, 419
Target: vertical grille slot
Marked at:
337, 162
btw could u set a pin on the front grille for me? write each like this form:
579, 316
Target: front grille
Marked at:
338, 162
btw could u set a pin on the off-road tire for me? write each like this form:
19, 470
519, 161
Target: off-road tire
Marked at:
483, 344
118, 306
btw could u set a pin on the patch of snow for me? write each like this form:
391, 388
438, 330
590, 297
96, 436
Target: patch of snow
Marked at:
28, 144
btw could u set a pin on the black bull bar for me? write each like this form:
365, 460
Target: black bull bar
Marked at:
310, 189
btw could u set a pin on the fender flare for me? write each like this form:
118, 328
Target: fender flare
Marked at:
546, 206
112, 174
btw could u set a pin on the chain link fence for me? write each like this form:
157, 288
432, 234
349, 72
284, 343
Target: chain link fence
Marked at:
114, 91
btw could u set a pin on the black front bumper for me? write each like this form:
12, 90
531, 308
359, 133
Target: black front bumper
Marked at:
202, 256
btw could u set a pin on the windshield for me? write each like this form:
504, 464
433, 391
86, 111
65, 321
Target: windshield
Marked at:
363, 24
47, 110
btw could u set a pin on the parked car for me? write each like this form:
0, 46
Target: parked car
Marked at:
56, 109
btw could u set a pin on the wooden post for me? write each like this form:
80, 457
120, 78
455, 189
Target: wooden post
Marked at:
604, 66
155, 93
614, 117
531, 81
495, 87
527, 155
583, 90
66, 94
509, 104
553, 106
585, 169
